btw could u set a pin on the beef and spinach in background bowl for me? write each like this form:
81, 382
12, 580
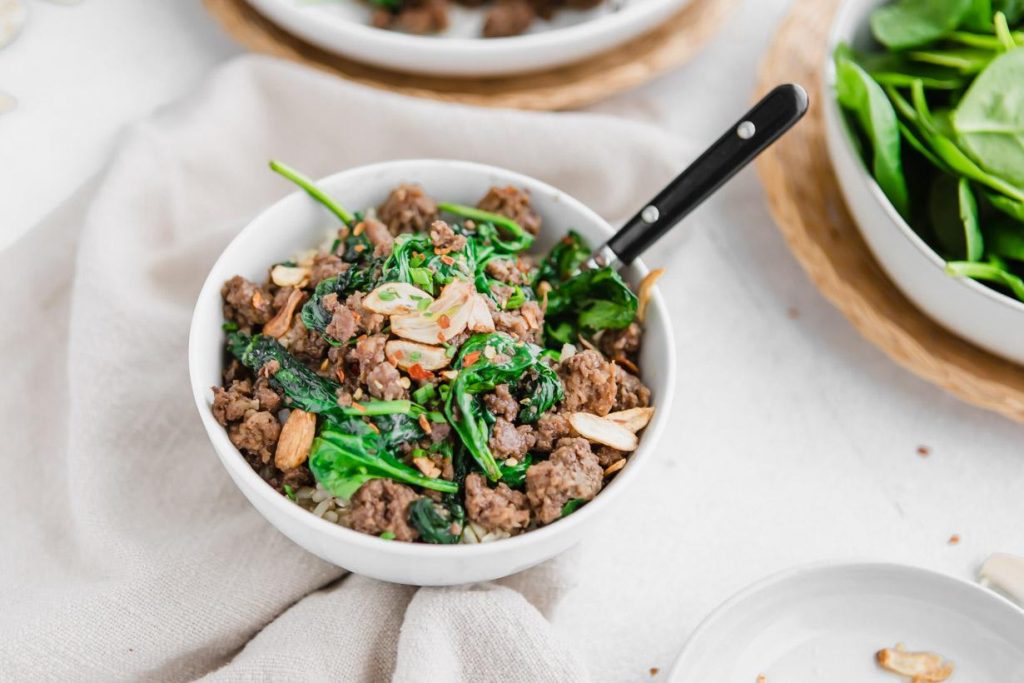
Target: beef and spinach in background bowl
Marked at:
924, 114
420, 376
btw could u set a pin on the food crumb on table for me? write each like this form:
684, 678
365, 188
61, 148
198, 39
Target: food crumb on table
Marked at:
761, 678
654, 670
924, 451
954, 539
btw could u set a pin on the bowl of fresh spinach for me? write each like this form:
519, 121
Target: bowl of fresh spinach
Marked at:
924, 121
464, 384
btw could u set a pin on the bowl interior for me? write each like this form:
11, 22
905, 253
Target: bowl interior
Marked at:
297, 223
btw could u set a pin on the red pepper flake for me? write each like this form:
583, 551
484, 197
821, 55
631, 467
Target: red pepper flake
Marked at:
359, 248
470, 359
924, 451
567, 240
444, 322
447, 260
954, 539
425, 424
358, 230
373, 426
340, 373
654, 670
359, 406
417, 372
399, 353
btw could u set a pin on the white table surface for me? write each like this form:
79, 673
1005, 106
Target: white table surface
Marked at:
794, 440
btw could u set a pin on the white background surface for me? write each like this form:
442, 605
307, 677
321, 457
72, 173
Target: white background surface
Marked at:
794, 439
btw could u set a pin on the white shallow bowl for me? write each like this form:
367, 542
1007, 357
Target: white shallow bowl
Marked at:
297, 223
967, 308
825, 623
343, 27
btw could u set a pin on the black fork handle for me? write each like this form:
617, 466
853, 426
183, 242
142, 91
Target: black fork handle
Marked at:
775, 114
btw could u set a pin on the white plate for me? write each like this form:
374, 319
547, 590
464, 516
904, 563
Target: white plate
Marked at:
343, 27
825, 623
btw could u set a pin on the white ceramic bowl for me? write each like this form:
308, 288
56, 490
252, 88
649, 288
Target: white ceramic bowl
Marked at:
967, 308
343, 27
296, 223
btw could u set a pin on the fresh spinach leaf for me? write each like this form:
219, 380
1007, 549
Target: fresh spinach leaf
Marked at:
867, 102
911, 23
989, 120
564, 258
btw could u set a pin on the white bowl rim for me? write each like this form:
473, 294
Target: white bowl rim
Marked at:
842, 22
474, 46
821, 567
336, 531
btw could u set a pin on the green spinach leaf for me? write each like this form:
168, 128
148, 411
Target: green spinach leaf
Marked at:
911, 23
866, 100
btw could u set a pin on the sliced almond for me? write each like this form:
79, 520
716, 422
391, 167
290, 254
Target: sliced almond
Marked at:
603, 431
923, 667
279, 325
633, 419
614, 467
643, 293
289, 276
480, 319
443, 320
296, 440
427, 467
407, 354
396, 297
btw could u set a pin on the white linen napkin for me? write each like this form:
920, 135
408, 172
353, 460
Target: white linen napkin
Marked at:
128, 553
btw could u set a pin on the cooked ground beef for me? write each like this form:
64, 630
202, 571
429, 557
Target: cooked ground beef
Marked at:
589, 382
303, 343
385, 382
246, 303
510, 441
325, 266
343, 319
257, 434
524, 323
572, 472
624, 342
368, 353
382, 505
439, 431
511, 271
300, 476
630, 391
508, 18
606, 455
513, 203
548, 430
379, 236
497, 509
445, 239
232, 404
407, 209
502, 403
367, 321
267, 396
